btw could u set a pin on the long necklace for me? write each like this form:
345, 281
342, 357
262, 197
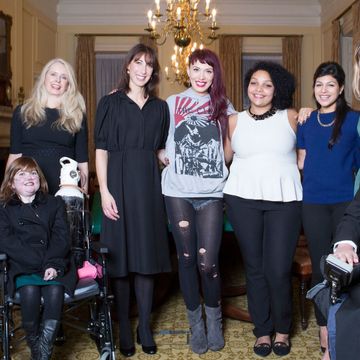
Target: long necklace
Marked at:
263, 116
321, 123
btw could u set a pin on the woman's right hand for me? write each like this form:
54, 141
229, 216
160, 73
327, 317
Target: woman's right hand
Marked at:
109, 207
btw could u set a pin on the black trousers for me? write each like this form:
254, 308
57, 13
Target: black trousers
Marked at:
267, 233
320, 222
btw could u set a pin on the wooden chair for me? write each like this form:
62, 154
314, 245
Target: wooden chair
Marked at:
303, 270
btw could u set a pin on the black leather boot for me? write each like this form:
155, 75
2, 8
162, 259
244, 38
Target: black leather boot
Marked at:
31, 329
47, 337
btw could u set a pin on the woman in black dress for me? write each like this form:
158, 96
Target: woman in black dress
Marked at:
52, 124
131, 127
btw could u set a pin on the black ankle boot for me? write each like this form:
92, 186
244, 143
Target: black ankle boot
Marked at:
31, 329
47, 337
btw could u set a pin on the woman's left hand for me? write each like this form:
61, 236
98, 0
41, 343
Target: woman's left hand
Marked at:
162, 157
50, 274
304, 114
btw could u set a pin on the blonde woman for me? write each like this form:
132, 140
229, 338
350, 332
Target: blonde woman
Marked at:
52, 124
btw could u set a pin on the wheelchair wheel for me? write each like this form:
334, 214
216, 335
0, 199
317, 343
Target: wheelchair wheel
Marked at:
106, 354
4, 324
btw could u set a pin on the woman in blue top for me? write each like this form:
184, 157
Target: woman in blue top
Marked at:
328, 153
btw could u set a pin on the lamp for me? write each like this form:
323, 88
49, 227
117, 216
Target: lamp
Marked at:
183, 23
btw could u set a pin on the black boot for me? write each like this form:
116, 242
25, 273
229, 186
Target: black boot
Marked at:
47, 337
31, 329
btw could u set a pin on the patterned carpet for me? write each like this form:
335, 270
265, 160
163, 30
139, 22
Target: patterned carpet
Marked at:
170, 326
170, 317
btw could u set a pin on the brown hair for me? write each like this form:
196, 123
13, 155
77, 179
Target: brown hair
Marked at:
151, 59
21, 163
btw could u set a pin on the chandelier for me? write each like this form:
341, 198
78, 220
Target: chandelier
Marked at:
183, 23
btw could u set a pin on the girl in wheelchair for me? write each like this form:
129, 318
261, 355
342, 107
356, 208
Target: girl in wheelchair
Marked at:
35, 238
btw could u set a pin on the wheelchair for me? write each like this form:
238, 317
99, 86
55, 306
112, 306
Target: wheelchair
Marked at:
91, 295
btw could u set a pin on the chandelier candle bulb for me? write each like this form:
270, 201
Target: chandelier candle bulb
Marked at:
149, 15
207, 6
178, 14
213, 15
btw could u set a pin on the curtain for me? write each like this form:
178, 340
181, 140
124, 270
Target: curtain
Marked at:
356, 40
230, 50
291, 52
85, 73
335, 46
108, 71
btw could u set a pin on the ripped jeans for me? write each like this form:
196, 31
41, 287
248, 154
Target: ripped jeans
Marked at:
196, 225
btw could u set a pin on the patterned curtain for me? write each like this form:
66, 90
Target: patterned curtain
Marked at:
230, 50
85, 73
356, 40
335, 46
291, 53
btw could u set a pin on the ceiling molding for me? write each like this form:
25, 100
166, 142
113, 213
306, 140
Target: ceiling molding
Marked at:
230, 12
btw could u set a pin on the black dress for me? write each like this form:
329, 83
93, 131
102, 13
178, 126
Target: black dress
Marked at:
138, 239
47, 144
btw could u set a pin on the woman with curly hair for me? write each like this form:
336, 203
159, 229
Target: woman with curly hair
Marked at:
328, 152
263, 200
52, 124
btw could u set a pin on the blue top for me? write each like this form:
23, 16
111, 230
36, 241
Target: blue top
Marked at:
328, 175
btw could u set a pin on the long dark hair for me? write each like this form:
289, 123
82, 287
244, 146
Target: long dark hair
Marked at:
283, 81
217, 91
136, 52
342, 108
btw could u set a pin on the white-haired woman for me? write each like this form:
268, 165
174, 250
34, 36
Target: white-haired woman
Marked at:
52, 124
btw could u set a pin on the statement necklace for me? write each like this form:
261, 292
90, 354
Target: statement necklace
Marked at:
321, 123
263, 116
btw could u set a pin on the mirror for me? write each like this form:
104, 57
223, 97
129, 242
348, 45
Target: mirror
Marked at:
5, 68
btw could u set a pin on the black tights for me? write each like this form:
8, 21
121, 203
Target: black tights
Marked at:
30, 298
196, 225
144, 286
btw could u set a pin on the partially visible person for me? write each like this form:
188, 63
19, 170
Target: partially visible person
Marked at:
343, 336
328, 152
192, 183
52, 124
356, 78
131, 127
263, 201
35, 237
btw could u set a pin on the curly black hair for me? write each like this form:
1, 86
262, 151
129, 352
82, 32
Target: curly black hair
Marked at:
283, 80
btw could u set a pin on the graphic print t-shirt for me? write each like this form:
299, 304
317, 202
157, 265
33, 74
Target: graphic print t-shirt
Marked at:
194, 148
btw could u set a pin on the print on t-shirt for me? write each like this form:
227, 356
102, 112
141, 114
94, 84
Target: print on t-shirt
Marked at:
197, 140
